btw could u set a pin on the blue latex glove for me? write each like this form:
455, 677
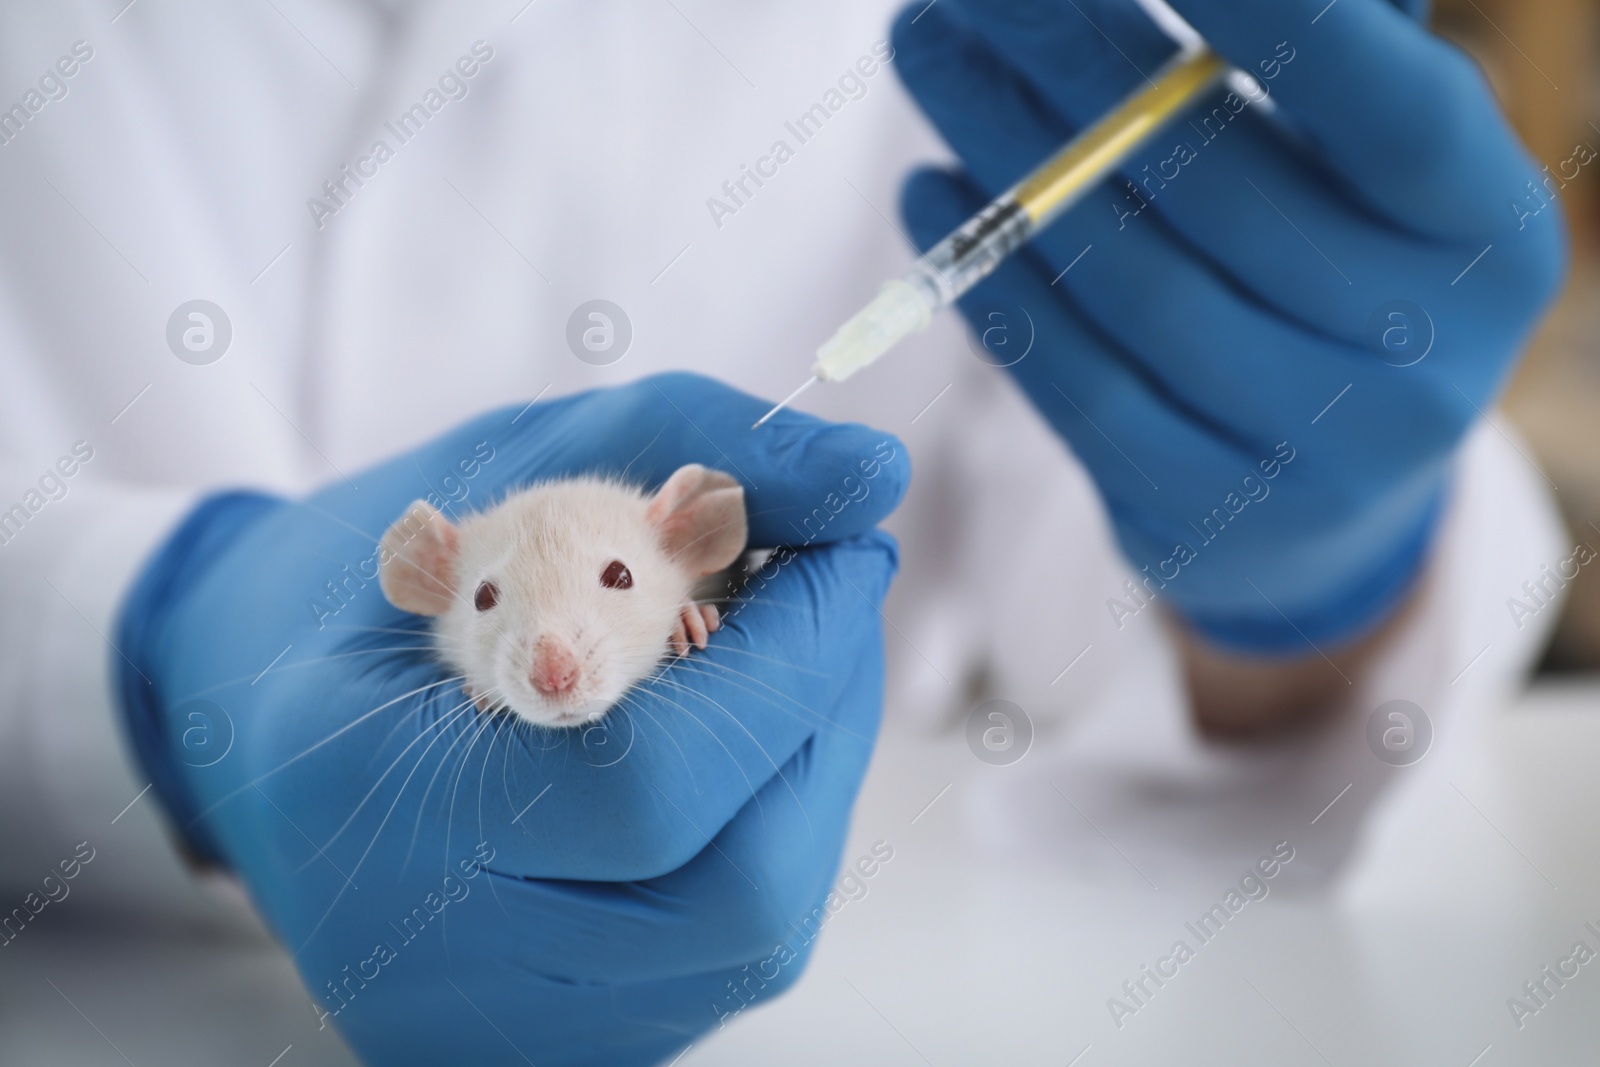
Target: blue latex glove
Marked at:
463, 889
1264, 268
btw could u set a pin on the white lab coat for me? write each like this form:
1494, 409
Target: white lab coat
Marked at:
579, 165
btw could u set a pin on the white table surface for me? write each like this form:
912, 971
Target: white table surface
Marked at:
964, 954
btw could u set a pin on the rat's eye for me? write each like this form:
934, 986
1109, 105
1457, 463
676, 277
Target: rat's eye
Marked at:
486, 597
616, 576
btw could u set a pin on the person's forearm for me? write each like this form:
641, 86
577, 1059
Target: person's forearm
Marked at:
1236, 695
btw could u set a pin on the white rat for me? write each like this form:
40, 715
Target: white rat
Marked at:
559, 599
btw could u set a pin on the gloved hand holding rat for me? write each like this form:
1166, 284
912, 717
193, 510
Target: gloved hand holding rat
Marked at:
461, 878
1267, 337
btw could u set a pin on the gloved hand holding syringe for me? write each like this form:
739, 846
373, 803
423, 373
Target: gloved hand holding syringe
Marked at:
974, 249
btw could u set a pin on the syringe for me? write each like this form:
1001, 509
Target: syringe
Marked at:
972, 252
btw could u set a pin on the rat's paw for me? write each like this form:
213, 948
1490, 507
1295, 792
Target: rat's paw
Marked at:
692, 622
696, 623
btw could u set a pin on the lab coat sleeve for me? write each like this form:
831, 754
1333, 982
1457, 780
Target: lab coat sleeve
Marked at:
1106, 698
69, 786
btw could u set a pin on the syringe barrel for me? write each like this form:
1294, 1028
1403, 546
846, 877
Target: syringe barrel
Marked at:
972, 252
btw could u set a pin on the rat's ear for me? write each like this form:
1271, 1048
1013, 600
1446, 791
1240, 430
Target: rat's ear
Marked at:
700, 514
417, 561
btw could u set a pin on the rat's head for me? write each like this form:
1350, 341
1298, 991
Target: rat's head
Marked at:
559, 599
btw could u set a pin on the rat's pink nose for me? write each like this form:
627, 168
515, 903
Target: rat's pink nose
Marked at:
555, 670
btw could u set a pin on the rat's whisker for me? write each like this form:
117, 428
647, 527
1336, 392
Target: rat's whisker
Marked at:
438, 768
330, 516
346, 824
280, 668
376, 834
769, 659
296, 664
499, 724
523, 736
455, 787
745, 599
499, 728
481, 836
449, 504
505, 761
532, 736
439, 726
760, 747
471, 734
421, 704
628, 704
646, 711
632, 712
307, 751
384, 744
456, 715
731, 758
623, 477
420, 631
700, 665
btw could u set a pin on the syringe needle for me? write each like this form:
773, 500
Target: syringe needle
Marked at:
785, 402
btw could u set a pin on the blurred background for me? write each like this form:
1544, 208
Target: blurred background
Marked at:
1413, 967
1549, 83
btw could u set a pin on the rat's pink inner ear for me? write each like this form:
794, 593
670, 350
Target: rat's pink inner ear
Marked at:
700, 514
417, 561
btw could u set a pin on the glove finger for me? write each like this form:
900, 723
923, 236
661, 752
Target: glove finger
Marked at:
1241, 364
1000, 123
1117, 422
1152, 454
982, 106
643, 432
1081, 56
764, 878
1135, 440
482, 1007
1090, 69
1243, 216
1403, 116
1285, 240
